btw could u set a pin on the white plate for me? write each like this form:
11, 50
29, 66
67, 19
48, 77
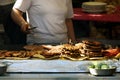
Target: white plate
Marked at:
94, 7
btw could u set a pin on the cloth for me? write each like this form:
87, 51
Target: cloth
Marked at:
49, 18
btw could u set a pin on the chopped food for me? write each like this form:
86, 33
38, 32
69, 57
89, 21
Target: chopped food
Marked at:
104, 66
85, 50
101, 66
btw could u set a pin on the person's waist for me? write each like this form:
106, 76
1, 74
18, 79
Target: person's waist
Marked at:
5, 2
37, 38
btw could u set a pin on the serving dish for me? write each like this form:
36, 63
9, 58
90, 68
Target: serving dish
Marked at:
102, 72
3, 68
102, 69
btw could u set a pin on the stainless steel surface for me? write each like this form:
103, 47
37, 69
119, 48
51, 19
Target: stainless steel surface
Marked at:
57, 76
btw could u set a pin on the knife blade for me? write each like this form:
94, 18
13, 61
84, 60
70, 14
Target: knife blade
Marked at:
31, 28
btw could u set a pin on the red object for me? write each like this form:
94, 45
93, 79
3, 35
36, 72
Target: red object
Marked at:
80, 15
111, 52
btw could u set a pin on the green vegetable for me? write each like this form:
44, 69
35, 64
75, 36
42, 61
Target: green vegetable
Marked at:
99, 66
104, 66
92, 66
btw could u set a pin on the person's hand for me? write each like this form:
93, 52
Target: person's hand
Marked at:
25, 27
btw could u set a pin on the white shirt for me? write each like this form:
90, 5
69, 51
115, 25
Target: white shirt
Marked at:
6, 2
49, 18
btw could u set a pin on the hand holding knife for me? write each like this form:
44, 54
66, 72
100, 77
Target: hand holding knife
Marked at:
30, 29
27, 28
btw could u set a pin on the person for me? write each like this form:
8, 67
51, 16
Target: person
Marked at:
51, 17
14, 35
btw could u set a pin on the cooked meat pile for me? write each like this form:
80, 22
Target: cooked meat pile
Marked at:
90, 48
83, 50
65, 50
44, 52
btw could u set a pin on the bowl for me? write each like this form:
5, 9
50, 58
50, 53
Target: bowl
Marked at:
3, 68
102, 72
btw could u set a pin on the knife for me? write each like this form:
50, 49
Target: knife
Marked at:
31, 28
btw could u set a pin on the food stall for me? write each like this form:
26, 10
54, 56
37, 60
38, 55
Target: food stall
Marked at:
59, 62
63, 61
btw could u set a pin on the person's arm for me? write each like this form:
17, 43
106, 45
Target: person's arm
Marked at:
18, 19
70, 28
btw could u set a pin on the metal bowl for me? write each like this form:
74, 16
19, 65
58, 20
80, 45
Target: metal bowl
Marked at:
102, 72
3, 68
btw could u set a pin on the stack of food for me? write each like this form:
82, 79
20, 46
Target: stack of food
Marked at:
91, 48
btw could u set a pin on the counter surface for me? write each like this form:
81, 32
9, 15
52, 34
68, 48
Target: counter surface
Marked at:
55, 65
57, 76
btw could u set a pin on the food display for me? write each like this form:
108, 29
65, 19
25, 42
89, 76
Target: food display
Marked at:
85, 50
43, 52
